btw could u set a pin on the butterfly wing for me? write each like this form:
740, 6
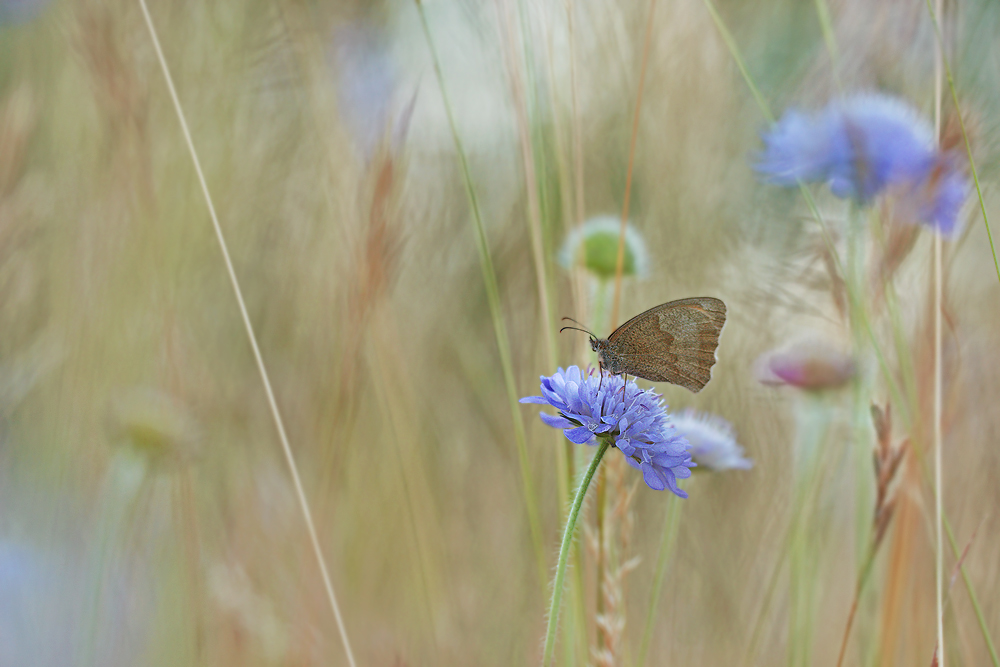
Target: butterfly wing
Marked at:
674, 342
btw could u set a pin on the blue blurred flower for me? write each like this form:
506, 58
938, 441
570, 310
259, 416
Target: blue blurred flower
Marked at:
862, 146
638, 424
712, 441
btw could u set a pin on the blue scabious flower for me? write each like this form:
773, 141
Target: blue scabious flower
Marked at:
862, 146
638, 424
712, 441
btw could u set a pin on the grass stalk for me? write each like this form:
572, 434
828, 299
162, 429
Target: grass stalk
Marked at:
977, 608
829, 40
866, 571
580, 206
496, 310
965, 135
523, 101
938, 489
620, 260
272, 402
810, 462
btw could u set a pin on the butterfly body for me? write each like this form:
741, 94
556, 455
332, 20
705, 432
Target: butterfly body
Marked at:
674, 342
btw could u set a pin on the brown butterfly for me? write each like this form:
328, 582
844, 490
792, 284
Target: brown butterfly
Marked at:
674, 342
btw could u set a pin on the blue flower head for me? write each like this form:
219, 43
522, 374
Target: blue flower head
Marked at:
712, 441
862, 146
859, 146
638, 424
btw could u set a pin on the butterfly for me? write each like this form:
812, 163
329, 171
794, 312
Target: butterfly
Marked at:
674, 342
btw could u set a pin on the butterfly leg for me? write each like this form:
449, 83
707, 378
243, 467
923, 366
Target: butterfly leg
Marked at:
625, 382
600, 369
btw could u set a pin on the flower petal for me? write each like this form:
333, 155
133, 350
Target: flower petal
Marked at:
534, 399
556, 421
579, 435
654, 478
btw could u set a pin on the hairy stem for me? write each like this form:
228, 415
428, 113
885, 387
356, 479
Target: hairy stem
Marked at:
567, 540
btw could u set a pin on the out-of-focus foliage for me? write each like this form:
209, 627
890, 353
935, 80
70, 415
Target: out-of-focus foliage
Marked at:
140, 472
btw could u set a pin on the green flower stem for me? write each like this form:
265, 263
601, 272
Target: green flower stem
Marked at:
567, 540
805, 552
866, 570
670, 529
861, 387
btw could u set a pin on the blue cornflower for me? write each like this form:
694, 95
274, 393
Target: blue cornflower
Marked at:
638, 425
859, 145
862, 146
712, 441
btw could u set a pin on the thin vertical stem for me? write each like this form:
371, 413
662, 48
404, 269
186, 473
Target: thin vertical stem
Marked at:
938, 488
982, 206
866, 570
272, 402
567, 540
493, 298
620, 262
961, 123
734, 51
938, 529
577, 134
826, 26
523, 102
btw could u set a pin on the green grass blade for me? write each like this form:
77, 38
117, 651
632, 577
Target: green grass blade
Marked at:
493, 297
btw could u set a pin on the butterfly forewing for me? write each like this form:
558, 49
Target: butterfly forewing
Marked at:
674, 342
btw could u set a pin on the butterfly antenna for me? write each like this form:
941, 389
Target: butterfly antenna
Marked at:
576, 329
580, 323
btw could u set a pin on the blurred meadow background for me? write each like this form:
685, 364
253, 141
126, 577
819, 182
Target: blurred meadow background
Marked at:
147, 513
